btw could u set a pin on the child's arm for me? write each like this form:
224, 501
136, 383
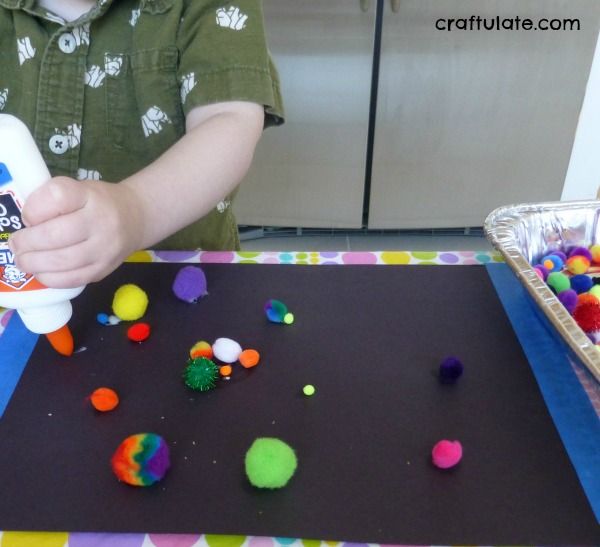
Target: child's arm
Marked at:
80, 231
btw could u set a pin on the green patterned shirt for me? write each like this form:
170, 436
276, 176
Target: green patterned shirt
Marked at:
106, 94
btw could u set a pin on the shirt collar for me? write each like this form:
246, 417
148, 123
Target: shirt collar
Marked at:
150, 6
17, 4
156, 6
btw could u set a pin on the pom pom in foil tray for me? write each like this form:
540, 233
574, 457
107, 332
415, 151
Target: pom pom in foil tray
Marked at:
527, 233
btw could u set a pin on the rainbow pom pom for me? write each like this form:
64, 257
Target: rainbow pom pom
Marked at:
578, 264
141, 460
595, 252
277, 312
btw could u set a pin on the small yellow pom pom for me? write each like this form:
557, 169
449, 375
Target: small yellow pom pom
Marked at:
130, 302
288, 319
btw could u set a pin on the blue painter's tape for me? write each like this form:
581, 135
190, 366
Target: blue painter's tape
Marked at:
571, 410
16, 345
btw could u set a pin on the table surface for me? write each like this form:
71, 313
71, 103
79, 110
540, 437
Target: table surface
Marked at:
309, 258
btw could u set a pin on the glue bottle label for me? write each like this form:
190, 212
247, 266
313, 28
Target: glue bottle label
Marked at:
10, 221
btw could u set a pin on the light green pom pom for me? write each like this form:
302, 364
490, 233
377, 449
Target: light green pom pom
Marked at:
595, 290
288, 318
558, 281
309, 390
270, 463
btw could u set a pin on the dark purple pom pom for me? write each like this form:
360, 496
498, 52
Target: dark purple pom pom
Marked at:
581, 251
568, 299
450, 370
190, 284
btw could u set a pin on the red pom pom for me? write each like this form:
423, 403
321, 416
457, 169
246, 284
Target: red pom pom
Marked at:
138, 332
587, 316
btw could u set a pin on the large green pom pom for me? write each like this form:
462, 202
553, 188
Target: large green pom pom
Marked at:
200, 374
270, 463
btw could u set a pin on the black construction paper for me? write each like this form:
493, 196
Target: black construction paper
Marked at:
370, 339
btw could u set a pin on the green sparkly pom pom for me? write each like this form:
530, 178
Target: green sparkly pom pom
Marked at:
200, 374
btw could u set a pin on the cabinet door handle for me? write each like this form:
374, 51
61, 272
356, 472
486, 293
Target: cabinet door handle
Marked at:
395, 5
364, 5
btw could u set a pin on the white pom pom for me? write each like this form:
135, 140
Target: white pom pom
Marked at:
226, 350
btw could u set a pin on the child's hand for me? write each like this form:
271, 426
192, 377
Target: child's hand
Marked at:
76, 231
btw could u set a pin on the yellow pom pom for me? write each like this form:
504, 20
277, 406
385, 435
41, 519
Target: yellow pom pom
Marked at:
595, 250
130, 302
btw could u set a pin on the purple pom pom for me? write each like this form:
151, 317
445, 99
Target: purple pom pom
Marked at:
581, 251
560, 254
568, 299
450, 370
543, 271
190, 284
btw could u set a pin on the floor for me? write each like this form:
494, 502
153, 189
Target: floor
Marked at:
264, 239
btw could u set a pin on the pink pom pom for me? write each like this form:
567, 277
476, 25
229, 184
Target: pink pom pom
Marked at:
446, 454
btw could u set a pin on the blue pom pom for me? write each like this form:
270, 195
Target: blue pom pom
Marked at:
450, 370
581, 283
102, 318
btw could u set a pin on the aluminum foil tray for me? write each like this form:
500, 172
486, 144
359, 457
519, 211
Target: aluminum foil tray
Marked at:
524, 233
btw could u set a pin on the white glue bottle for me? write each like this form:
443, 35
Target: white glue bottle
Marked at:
22, 169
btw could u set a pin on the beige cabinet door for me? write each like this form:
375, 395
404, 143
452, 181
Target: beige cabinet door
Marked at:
310, 172
468, 120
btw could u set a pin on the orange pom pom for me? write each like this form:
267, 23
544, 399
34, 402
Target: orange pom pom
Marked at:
104, 399
225, 370
249, 358
586, 298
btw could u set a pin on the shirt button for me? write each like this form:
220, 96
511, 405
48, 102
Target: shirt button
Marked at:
58, 144
66, 43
